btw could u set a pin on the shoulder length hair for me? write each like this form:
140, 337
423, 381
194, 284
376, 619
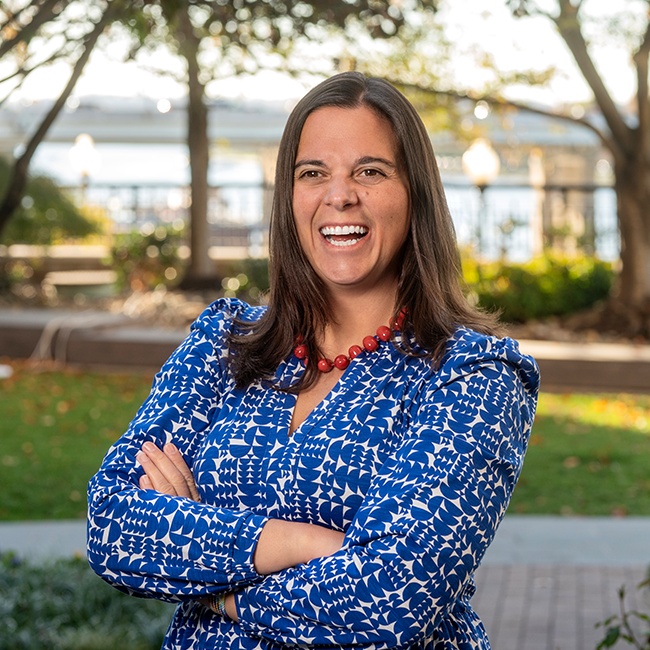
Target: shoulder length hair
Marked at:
429, 285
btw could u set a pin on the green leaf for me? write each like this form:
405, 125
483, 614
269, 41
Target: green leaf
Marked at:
612, 636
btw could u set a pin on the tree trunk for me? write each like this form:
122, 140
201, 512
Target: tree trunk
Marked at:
201, 271
633, 198
627, 311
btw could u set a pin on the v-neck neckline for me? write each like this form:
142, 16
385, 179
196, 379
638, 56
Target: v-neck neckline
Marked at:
351, 374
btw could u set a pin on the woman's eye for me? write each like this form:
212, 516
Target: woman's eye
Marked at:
371, 173
310, 173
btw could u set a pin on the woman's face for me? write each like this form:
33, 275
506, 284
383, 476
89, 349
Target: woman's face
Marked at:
350, 199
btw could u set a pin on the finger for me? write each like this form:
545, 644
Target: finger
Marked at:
145, 483
169, 471
177, 458
158, 480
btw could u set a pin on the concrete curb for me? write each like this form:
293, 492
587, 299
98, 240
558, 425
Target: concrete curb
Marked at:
95, 339
521, 539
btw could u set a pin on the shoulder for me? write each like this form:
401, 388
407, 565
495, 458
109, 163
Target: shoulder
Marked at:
469, 351
485, 390
217, 319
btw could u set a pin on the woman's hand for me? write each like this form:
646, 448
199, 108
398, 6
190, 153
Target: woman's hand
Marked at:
165, 471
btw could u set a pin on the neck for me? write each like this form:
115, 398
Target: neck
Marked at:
356, 315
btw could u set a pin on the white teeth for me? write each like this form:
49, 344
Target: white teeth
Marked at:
347, 242
343, 230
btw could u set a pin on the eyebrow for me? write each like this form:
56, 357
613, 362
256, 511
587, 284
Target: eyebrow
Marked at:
370, 159
365, 160
314, 163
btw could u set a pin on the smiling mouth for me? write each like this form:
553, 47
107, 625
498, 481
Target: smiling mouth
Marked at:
344, 235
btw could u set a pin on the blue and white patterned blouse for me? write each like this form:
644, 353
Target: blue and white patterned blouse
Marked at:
417, 467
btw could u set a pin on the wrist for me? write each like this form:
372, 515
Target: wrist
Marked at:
217, 603
231, 608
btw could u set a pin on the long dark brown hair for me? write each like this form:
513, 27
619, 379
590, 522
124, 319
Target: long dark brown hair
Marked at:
429, 284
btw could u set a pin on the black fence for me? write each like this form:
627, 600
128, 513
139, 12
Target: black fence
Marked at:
512, 222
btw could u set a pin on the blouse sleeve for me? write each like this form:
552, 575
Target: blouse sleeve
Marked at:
153, 544
425, 523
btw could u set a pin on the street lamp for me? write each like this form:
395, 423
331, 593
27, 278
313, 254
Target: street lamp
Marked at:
481, 163
84, 159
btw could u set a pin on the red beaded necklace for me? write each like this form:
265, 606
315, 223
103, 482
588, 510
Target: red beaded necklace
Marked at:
370, 343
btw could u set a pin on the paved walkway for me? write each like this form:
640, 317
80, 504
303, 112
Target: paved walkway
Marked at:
543, 585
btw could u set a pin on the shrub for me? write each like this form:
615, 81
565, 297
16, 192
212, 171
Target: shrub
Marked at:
64, 606
545, 286
46, 215
147, 258
249, 280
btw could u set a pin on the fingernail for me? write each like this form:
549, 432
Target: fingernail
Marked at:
170, 447
149, 446
141, 458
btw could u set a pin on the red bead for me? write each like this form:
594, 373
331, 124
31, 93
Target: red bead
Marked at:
383, 333
300, 351
370, 343
341, 362
354, 351
399, 321
325, 365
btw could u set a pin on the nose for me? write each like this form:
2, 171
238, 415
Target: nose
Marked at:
340, 193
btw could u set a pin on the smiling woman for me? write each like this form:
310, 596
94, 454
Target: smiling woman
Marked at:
328, 470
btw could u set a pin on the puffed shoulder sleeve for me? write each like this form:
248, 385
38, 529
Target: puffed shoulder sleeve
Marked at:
153, 544
427, 519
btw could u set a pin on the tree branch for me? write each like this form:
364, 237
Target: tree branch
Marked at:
14, 89
19, 177
24, 72
47, 12
643, 104
569, 27
15, 16
495, 101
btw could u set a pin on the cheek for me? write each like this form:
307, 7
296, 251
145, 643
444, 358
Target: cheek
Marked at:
300, 207
302, 220
304, 208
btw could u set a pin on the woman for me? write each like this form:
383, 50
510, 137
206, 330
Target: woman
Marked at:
285, 492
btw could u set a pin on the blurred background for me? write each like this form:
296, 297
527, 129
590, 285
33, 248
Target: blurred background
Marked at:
138, 141
137, 160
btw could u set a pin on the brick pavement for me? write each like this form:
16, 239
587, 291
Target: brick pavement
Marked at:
551, 606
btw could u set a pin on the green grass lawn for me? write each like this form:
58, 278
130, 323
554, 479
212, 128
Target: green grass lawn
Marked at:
589, 454
55, 428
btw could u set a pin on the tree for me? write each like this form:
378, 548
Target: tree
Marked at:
627, 137
625, 134
25, 26
225, 38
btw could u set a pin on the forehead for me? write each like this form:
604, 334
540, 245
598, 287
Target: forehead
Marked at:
359, 129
